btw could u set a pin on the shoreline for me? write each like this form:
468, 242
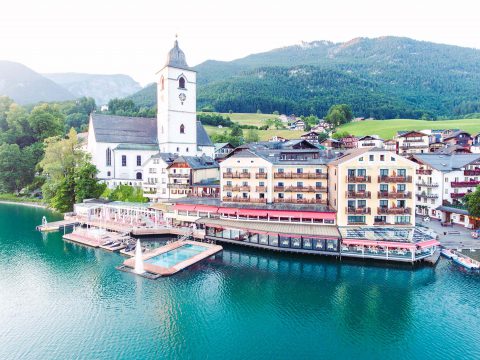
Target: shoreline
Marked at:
25, 203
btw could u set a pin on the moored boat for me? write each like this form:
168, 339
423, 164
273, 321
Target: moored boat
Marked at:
448, 253
466, 262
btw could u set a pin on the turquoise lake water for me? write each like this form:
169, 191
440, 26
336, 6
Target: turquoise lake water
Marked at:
64, 301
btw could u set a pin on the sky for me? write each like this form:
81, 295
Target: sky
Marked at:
133, 37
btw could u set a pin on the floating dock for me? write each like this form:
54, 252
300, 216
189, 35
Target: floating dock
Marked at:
84, 240
171, 252
57, 225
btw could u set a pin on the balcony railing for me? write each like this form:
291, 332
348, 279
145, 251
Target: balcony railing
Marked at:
472, 172
395, 194
424, 172
358, 211
413, 146
394, 210
458, 184
457, 195
236, 175
427, 195
301, 201
178, 186
260, 175
359, 194
359, 179
394, 179
426, 184
294, 175
261, 188
321, 189
180, 176
243, 200
228, 187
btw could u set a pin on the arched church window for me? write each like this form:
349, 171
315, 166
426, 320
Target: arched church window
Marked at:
187, 149
139, 176
162, 83
182, 129
108, 156
178, 149
181, 82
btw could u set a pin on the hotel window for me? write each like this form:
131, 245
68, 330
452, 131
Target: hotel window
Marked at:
281, 171
299, 196
383, 187
402, 219
261, 170
361, 187
362, 172
229, 183
245, 195
109, 157
124, 160
382, 157
351, 187
281, 195
318, 184
384, 204
229, 170
401, 187
402, 172
360, 158
318, 196
139, 160
245, 171
318, 171
351, 203
280, 184
362, 203
244, 183
393, 159
356, 219
299, 184
229, 194
371, 158
261, 183
299, 170
383, 172
109, 173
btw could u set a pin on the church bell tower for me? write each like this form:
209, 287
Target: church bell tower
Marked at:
177, 105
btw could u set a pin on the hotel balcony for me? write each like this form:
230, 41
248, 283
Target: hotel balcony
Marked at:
261, 188
394, 179
228, 188
236, 175
413, 146
260, 175
424, 172
394, 211
294, 175
359, 194
427, 195
426, 184
359, 179
457, 195
179, 176
472, 172
358, 211
178, 186
244, 200
301, 201
394, 194
458, 184
321, 189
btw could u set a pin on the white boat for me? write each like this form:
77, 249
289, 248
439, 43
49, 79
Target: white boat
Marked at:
466, 262
448, 253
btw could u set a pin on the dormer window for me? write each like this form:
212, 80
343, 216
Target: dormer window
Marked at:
181, 82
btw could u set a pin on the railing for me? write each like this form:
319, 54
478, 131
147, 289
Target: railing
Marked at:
228, 187
359, 194
413, 146
178, 185
381, 223
321, 188
243, 200
300, 189
412, 140
457, 195
395, 194
471, 172
358, 211
394, 210
293, 175
422, 183
394, 179
244, 175
356, 223
301, 201
359, 179
260, 175
457, 184
261, 188
427, 195
424, 172
183, 176
236, 175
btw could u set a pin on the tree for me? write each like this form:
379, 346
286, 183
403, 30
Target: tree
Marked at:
19, 130
340, 135
125, 193
10, 159
5, 103
236, 131
252, 136
472, 201
339, 114
46, 121
322, 136
122, 107
86, 183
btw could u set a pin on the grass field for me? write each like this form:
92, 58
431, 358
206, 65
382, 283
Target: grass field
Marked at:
386, 129
263, 134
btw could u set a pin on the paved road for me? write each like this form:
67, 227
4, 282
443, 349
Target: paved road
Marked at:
455, 237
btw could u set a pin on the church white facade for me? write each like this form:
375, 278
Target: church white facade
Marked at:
121, 146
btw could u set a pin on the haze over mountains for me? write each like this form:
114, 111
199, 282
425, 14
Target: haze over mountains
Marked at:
384, 77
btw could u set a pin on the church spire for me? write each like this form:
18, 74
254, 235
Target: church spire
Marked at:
176, 57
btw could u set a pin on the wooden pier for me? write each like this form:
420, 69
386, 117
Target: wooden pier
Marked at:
57, 225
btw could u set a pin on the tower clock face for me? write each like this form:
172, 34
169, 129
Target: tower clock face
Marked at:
182, 97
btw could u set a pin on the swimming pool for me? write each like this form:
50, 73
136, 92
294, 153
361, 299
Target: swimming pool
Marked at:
176, 256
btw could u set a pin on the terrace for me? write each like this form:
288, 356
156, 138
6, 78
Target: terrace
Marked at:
181, 176
427, 195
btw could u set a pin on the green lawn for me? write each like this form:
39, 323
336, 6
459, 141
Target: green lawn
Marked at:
388, 128
249, 119
263, 134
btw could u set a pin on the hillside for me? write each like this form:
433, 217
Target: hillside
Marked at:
386, 129
384, 77
101, 87
26, 86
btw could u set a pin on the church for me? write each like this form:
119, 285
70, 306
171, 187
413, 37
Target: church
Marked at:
121, 146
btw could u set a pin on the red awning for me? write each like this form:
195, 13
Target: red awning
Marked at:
317, 215
228, 211
428, 243
206, 208
184, 207
252, 212
379, 243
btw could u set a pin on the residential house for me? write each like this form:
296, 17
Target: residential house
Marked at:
460, 138
349, 142
222, 150
311, 136
370, 141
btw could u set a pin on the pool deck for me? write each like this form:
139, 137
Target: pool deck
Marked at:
163, 271
57, 225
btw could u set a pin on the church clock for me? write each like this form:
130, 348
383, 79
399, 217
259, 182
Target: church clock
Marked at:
182, 97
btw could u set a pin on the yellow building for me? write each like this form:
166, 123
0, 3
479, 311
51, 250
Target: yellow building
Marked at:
293, 172
371, 186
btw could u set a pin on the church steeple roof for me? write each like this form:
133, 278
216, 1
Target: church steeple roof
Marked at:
176, 57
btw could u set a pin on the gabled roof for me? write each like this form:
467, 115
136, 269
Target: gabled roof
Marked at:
219, 146
369, 137
452, 149
455, 134
448, 162
411, 132
202, 137
196, 162
313, 132
124, 129
350, 154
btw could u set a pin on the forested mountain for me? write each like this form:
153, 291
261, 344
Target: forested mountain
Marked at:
25, 86
100, 87
384, 77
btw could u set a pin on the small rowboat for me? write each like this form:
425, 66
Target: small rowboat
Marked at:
448, 253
